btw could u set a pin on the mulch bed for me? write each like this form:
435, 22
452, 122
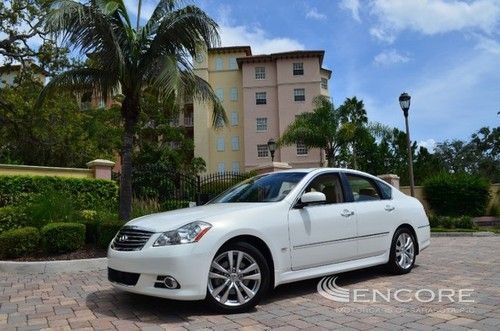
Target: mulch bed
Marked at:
87, 252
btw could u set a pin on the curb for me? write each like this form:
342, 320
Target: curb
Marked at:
463, 234
42, 267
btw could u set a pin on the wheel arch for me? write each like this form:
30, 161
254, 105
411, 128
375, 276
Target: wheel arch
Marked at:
260, 245
414, 233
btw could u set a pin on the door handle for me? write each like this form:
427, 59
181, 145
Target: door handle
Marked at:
347, 213
389, 208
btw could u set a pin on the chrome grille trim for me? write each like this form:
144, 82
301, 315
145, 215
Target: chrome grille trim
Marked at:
131, 238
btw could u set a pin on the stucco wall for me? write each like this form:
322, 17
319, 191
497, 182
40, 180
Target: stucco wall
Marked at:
8, 169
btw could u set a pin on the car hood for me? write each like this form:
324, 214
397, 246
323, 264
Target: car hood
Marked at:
174, 219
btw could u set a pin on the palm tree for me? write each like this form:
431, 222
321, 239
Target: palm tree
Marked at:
353, 111
132, 59
321, 128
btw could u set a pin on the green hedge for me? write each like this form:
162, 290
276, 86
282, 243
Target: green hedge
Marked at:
174, 204
91, 219
19, 242
11, 218
457, 194
107, 231
62, 237
83, 192
447, 222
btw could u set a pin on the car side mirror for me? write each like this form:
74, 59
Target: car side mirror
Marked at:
309, 198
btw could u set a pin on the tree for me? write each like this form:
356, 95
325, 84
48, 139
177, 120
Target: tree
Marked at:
131, 59
24, 39
57, 134
321, 128
353, 111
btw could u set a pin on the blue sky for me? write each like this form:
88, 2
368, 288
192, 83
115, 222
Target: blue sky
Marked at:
445, 53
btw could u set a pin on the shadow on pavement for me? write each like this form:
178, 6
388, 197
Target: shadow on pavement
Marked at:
140, 308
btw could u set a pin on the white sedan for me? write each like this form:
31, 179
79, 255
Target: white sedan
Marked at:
269, 230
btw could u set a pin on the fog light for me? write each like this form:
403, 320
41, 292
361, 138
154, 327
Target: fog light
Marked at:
170, 282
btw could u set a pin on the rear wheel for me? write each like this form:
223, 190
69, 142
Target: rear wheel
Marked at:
237, 279
403, 253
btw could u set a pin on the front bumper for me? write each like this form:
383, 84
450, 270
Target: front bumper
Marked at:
187, 263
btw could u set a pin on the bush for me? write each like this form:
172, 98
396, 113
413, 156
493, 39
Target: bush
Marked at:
447, 222
106, 232
49, 206
457, 194
11, 218
91, 219
62, 237
19, 242
174, 204
84, 193
145, 206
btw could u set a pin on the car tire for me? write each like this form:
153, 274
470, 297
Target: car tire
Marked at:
237, 286
403, 252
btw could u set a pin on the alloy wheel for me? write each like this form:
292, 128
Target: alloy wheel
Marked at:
234, 278
405, 250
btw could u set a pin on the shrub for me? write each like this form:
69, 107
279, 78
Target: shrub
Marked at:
107, 231
91, 219
447, 222
457, 194
62, 237
19, 242
11, 218
85, 193
174, 204
49, 206
145, 206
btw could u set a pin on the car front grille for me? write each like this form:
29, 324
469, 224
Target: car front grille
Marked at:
122, 277
131, 239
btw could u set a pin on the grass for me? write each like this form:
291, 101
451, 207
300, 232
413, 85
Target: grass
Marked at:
441, 229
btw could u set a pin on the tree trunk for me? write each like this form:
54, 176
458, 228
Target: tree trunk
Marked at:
330, 156
130, 109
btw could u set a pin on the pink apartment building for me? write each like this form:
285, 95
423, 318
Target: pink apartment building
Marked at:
262, 94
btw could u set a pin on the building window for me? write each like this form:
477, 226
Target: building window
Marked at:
220, 144
260, 73
298, 69
219, 92
234, 118
302, 149
260, 98
236, 167
324, 83
234, 94
299, 94
219, 64
232, 63
235, 143
221, 167
262, 151
261, 123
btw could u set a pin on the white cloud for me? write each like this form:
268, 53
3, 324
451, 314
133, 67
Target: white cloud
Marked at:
431, 17
314, 14
430, 144
257, 38
254, 36
390, 57
353, 6
489, 45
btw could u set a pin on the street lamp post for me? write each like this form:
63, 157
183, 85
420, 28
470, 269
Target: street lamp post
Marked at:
404, 102
271, 144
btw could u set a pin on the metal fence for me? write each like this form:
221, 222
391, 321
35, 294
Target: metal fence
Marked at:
176, 189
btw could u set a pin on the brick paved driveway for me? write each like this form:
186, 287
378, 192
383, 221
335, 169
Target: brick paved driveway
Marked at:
86, 300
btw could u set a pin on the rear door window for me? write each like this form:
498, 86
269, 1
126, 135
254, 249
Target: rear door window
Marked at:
363, 189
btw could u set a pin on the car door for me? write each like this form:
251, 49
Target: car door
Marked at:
325, 233
376, 215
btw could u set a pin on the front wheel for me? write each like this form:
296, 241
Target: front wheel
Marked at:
402, 257
237, 279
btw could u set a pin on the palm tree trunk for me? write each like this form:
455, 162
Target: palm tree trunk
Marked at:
129, 111
330, 156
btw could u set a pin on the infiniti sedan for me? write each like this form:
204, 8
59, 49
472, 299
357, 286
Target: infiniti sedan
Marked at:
269, 230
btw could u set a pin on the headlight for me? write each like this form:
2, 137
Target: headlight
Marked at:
186, 234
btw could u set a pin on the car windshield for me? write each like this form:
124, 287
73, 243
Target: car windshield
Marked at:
263, 188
